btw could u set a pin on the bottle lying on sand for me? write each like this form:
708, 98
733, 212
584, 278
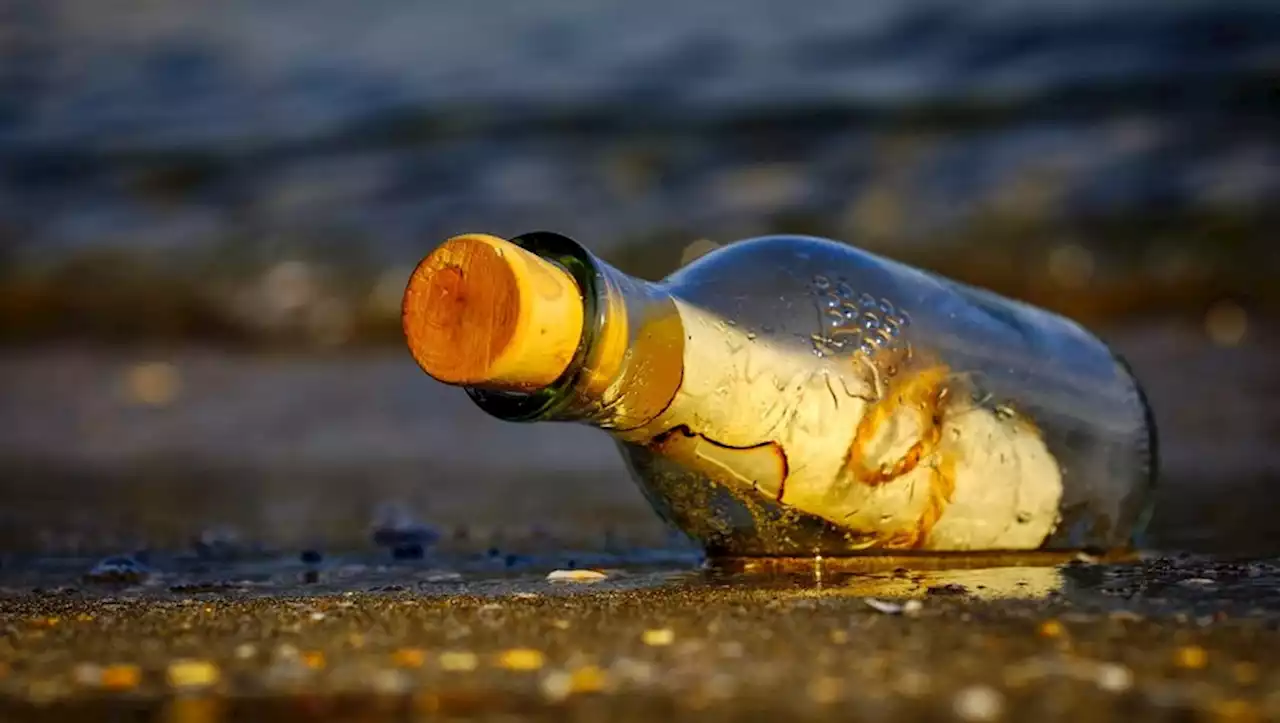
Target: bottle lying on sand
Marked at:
797, 396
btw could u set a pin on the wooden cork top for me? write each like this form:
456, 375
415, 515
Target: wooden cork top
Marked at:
480, 311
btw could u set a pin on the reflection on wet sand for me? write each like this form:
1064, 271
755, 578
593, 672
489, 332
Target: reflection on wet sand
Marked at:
992, 583
1014, 581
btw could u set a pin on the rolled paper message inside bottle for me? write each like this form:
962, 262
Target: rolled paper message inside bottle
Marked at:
798, 396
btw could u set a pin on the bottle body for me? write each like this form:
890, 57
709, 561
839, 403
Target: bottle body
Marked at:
796, 396
836, 402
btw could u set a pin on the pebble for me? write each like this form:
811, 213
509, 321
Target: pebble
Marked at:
588, 679
86, 674
120, 677
978, 703
389, 682
192, 674
560, 684
1192, 657
1051, 629
458, 661
118, 569
891, 608
313, 659
659, 637
557, 686
152, 384
521, 659
576, 576
409, 657
1114, 678
408, 538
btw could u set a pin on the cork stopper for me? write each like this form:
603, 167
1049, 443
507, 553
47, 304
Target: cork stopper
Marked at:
480, 311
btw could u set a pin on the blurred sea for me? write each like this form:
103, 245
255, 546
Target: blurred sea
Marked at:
344, 140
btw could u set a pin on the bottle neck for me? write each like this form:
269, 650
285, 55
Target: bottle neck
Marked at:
630, 358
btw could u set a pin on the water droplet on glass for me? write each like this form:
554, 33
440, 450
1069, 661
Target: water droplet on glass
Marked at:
1004, 412
886, 518
886, 306
766, 329
870, 321
822, 283
845, 290
955, 433
751, 336
731, 322
820, 344
849, 311
867, 347
835, 322
904, 319
831, 302
1024, 518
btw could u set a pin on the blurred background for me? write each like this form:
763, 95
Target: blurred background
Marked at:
208, 211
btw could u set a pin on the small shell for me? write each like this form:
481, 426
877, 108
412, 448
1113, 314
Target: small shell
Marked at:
890, 608
576, 576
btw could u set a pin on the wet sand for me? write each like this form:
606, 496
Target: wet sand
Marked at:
1164, 639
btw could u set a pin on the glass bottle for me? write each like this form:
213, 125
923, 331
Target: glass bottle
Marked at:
798, 396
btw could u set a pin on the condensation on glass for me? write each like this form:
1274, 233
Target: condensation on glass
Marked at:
791, 395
